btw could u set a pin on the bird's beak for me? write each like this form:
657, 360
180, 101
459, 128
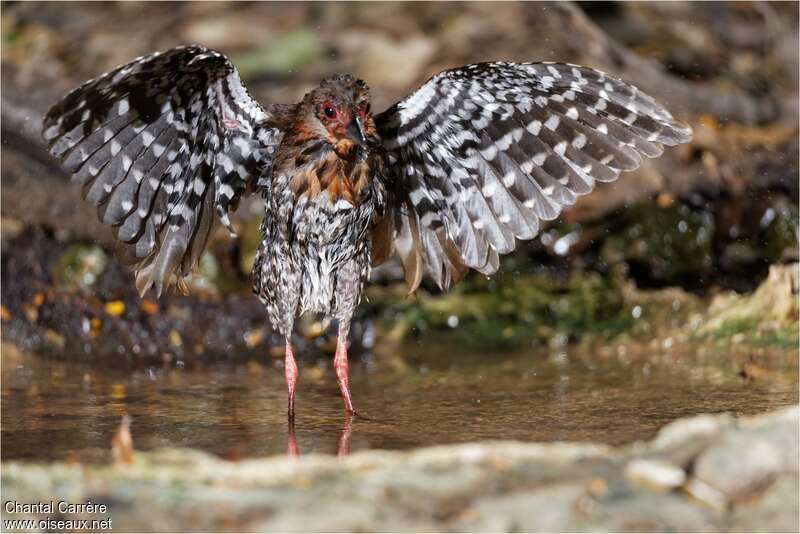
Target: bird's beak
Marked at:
356, 132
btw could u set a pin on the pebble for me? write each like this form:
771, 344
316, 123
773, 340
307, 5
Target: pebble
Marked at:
656, 475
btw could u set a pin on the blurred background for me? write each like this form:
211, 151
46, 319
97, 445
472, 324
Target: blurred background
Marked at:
646, 290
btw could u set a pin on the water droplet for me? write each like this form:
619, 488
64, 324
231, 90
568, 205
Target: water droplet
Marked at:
562, 246
767, 218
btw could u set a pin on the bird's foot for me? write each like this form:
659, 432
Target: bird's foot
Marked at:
341, 367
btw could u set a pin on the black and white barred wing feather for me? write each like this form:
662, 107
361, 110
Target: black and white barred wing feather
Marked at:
479, 155
159, 145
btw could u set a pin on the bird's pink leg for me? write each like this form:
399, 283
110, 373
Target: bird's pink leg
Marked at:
290, 368
342, 369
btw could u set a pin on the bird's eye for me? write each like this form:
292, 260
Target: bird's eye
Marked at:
329, 112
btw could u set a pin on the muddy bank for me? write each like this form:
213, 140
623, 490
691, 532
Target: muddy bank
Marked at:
74, 301
706, 473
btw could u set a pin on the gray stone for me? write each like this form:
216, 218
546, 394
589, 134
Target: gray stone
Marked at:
657, 475
745, 461
778, 510
549, 509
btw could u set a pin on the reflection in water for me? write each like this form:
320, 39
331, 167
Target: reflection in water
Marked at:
291, 440
342, 447
65, 410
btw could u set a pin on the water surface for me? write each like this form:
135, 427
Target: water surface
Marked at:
429, 396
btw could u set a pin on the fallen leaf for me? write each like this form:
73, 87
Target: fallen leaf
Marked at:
115, 308
175, 338
122, 442
149, 307
253, 338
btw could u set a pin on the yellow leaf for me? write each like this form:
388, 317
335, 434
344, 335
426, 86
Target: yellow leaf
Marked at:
115, 308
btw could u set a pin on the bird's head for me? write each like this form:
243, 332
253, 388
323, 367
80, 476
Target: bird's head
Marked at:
338, 111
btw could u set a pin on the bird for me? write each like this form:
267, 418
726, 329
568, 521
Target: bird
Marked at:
447, 179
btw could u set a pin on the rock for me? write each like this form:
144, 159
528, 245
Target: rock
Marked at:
550, 509
683, 430
781, 427
655, 513
744, 462
80, 266
773, 307
654, 474
774, 300
776, 511
681, 441
666, 244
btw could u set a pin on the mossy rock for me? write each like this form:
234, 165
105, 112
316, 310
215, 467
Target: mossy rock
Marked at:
79, 266
511, 309
769, 316
663, 245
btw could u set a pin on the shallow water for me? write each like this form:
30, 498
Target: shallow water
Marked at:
57, 410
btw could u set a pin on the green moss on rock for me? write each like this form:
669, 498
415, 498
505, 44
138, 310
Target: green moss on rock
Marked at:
510, 309
79, 266
669, 245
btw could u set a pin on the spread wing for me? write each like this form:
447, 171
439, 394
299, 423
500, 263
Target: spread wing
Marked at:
478, 155
159, 145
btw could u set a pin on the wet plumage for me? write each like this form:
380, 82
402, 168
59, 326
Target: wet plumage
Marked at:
447, 179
